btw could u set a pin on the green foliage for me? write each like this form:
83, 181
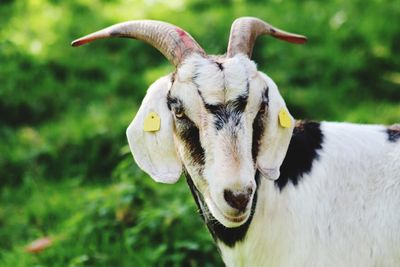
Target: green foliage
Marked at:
65, 170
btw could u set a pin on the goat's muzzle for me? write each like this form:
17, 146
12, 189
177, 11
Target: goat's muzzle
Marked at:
238, 201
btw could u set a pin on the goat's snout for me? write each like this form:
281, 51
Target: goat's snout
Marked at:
238, 200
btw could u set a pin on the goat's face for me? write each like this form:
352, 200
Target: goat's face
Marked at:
221, 119
214, 108
216, 117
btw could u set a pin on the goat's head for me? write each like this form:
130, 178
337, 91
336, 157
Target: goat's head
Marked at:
215, 116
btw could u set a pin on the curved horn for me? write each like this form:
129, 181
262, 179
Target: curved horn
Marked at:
173, 42
245, 31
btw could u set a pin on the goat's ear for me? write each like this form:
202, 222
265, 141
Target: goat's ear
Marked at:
278, 130
154, 150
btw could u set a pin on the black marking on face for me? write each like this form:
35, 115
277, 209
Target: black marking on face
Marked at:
228, 236
393, 133
214, 108
173, 102
232, 111
221, 116
240, 103
188, 133
266, 96
229, 111
258, 126
303, 149
258, 132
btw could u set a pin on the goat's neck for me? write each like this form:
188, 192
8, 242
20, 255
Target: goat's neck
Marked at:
271, 210
262, 225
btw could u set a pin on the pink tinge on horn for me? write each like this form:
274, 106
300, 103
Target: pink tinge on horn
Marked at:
173, 42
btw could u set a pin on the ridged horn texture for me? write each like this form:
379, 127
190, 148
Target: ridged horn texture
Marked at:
173, 42
245, 31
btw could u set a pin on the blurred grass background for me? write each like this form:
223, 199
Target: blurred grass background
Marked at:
65, 168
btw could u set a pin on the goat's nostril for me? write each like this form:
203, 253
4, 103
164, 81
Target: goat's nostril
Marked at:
238, 201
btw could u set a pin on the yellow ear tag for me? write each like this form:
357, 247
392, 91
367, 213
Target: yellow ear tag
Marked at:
284, 118
152, 122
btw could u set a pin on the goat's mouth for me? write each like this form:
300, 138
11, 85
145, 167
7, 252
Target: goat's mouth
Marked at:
236, 219
227, 219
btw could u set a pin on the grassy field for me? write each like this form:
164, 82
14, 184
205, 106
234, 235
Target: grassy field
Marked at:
65, 169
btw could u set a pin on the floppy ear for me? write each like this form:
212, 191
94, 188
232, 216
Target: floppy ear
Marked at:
277, 134
154, 149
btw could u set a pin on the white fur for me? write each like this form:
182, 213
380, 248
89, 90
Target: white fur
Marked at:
276, 139
155, 152
344, 213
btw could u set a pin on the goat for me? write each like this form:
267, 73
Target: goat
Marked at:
272, 191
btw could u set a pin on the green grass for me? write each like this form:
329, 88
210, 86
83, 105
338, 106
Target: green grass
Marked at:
117, 223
